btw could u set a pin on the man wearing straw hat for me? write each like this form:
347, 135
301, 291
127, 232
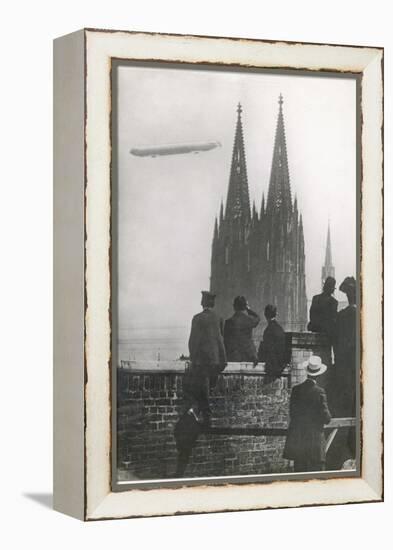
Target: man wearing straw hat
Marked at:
309, 412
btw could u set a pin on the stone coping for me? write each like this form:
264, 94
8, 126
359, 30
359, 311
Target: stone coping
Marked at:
306, 340
178, 367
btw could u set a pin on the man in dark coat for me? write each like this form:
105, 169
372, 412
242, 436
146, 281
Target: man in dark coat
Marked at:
272, 350
309, 412
345, 350
323, 311
344, 381
207, 356
323, 316
238, 329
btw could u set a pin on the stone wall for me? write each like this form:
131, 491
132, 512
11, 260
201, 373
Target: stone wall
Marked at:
150, 402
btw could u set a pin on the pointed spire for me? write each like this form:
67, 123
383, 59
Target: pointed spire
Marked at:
254, 212
215, 235
301, 225
328, 253
295, 204
301, 239
328, 270
238, 200
221, 213
263, 205
279, 195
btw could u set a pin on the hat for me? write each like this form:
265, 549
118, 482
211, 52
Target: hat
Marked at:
240, 303
329, 282
314, 366
270, 311
208, 294
348, 284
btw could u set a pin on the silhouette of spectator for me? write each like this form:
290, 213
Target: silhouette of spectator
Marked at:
345, 349
323, 310
309, 412
207, 355
238, 329
272, 350
343, 399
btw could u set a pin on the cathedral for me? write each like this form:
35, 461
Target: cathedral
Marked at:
260, 254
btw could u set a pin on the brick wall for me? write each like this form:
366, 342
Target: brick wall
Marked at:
150, 401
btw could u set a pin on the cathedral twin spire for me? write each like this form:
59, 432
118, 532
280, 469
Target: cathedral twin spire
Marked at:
279, 187
260, 254
238, 199
279, 193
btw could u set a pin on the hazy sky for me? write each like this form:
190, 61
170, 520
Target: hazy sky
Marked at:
167, 204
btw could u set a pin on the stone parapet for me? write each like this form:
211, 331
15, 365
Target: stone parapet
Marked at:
150, 400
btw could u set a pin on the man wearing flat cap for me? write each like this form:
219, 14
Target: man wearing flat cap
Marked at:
207, 356
309, 412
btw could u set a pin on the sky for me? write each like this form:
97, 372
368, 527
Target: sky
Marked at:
167, 205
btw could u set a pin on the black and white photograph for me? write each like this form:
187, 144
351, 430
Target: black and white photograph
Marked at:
235, 265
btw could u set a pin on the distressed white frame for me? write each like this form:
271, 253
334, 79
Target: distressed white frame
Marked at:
100, 47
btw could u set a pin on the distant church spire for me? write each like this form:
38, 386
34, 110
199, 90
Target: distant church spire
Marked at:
328, 269
279, 195
238, 200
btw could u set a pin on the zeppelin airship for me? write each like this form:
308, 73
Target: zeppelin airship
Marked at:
174, 149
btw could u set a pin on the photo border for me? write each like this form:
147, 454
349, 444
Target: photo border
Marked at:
100, 48
216, 479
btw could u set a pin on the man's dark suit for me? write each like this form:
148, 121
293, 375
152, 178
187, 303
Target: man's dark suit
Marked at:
208, 358
238, 341
272, 350
323, 314
309, 413
343, 398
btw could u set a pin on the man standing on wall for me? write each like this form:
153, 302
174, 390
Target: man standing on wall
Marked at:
309, 412
239, 345
207, 356
343, 400
272, 350
323, 317
323, 310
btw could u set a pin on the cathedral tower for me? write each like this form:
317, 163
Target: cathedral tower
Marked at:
230, 275
260, 255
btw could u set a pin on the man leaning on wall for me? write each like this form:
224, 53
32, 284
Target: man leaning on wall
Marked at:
207, 357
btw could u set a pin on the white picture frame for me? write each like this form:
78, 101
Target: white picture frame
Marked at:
82, 243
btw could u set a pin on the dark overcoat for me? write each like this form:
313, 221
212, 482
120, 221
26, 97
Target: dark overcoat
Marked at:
345, 360
309, 413
206, 343
238, 340
323, 314
273, 350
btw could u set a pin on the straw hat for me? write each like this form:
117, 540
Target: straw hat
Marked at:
314, 366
